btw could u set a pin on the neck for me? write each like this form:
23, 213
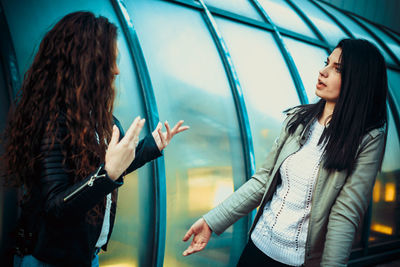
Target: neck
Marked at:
327, 113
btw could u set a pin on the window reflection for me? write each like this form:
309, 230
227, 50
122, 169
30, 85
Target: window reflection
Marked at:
356, 30
284, 16
329, 29
385, 224
267, 86
203, 164
240, 7
309, 60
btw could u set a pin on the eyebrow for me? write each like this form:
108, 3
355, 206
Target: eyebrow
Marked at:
336, 63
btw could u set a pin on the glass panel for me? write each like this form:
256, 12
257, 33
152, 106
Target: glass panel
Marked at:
385, 224
202, 164
240, 7
329, 29
265, 79
130, 233
356, 30
284, 16
391, 43
394, 82
309, 60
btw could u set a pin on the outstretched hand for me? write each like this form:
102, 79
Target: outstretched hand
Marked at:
202, 234
162, 139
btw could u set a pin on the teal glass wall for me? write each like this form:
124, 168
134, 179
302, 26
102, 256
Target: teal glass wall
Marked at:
190, 82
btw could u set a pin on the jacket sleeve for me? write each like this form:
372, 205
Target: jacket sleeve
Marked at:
352, 202
249, 195
61, 197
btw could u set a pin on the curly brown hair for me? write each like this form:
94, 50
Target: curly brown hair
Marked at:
72, 76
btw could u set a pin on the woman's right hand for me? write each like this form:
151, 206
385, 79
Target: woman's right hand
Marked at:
120, 154
202, 234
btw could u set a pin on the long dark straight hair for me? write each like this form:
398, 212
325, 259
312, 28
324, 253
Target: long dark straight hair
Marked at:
361, 105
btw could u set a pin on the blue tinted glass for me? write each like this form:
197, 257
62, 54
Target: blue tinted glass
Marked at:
309, 60
356, 30
394, 82
267, 86
385, 225
201, 164
240, 7
332, 33
130, 232
389, 41
284, 16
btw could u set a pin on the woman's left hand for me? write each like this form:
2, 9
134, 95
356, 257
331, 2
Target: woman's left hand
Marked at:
162, 139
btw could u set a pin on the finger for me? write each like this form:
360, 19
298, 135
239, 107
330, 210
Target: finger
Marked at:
168, 130
183, 128
177, 126
159, 125
138, 128
162, 137
115, 136
189, 250
188, 235
130, 133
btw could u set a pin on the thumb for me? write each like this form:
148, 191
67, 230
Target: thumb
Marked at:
188, 234
115, 136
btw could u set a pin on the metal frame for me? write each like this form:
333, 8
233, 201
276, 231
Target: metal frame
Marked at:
237, 92
310, 24
301, 92
9, 59
158, 166
341, 26
238, 98
373, 35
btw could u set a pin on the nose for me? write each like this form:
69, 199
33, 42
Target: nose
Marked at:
323, 72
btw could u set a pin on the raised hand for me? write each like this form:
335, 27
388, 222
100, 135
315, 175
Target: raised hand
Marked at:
202, 234
162, 139
120, 154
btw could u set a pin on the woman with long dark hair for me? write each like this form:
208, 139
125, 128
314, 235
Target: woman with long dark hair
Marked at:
316, 182
65, 148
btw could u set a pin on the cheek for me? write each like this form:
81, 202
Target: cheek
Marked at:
337, 85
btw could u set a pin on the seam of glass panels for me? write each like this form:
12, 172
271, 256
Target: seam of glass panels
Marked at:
395, 112
159, 181
254, 23
240, 106
236, 91
310, 24
301, 92
389, 33
379, 26
373, 35
9, 59
344, 28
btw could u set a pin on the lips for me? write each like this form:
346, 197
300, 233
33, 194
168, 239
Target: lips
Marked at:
320, 84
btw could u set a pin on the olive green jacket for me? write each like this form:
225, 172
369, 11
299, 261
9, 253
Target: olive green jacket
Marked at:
338, 202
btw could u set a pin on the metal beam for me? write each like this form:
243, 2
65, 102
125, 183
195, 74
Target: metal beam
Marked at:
310, 24
301, 92
158, 166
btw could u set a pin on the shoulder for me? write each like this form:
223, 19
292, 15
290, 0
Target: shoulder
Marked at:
294, 113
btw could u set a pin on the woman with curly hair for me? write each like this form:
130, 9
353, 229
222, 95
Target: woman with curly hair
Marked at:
317, 180
65, 148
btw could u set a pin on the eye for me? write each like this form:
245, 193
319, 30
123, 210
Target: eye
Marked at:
325, 63
338, 68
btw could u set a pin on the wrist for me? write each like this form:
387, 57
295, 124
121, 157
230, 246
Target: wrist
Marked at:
112, 174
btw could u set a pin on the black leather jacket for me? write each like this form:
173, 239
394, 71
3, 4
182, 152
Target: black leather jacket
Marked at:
53, 224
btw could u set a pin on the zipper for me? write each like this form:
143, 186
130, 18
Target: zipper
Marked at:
88, 183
